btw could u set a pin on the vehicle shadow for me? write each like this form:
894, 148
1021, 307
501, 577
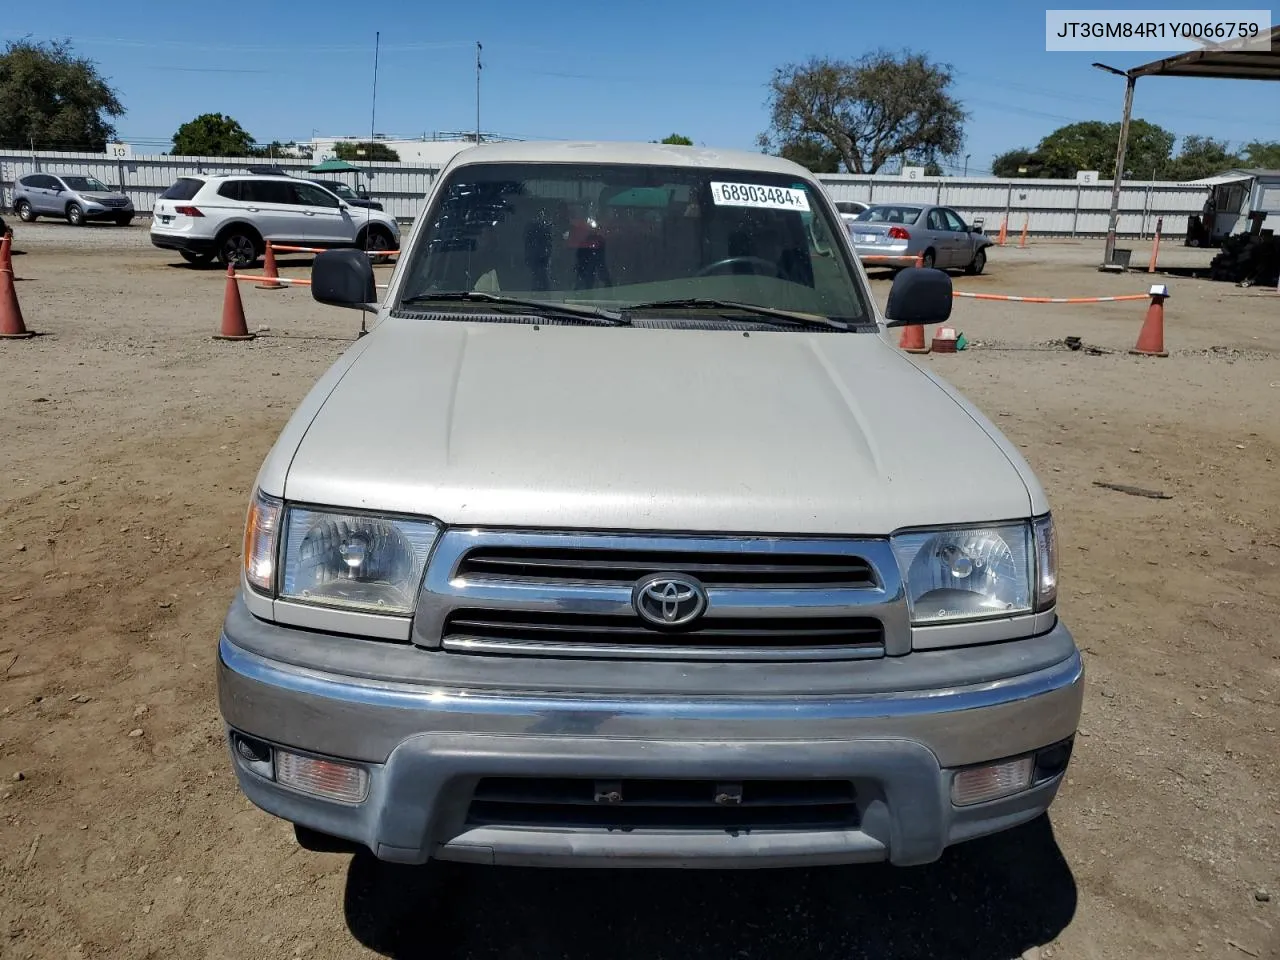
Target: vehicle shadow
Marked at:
988, 899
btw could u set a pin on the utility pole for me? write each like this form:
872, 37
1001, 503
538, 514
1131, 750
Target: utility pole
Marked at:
966, 164
1113, 221
479, 67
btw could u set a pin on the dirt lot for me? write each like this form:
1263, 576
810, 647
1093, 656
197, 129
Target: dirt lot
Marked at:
128, 444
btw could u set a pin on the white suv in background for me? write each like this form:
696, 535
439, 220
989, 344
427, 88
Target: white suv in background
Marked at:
231, 217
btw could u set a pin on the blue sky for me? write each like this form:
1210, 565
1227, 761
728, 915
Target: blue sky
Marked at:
605, 69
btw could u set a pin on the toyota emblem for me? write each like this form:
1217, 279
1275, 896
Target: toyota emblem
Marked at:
669, 599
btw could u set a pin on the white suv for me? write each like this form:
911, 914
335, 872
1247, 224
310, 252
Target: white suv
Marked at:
231, 217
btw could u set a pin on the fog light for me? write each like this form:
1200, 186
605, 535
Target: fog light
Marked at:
991, 781
254, 754
322, 778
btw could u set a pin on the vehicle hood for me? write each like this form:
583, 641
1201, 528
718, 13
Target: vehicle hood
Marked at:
99, 195
628, 429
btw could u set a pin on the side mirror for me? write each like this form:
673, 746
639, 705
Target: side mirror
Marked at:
919, 295
344, 278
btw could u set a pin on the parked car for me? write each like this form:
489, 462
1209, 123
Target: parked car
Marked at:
231, 217
78, 198
849, 209
606, 552
344, 192
905, 231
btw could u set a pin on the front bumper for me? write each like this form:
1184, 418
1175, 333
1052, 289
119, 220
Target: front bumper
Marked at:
95, 212
426, 748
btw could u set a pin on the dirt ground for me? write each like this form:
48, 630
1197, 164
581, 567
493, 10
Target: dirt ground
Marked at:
128, 444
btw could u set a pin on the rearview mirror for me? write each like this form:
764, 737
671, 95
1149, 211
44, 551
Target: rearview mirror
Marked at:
919, 295
344, 278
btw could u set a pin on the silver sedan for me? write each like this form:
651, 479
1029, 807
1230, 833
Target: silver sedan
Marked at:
896, 234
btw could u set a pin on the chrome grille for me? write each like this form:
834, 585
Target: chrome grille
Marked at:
570, 595
734, 569
594, 635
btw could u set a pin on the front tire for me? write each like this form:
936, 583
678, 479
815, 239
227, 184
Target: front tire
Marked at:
124, 219
239, 248
75, 215
376, 238
927, 259
978, 264
23, 209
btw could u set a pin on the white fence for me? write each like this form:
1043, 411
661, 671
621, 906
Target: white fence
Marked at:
1060, 208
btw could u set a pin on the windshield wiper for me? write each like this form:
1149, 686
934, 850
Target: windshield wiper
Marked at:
767, 314
551, 308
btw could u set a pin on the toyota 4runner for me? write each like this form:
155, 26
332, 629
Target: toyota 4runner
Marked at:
627, 537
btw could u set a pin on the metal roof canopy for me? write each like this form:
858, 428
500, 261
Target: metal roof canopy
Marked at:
1227, 61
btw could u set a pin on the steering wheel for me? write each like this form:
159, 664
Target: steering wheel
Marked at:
770, 268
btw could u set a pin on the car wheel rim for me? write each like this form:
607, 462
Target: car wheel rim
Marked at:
24, 211
74, 215
239, 249
979, 261
379, 242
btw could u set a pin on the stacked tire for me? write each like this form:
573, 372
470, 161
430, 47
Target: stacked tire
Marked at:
1247, 259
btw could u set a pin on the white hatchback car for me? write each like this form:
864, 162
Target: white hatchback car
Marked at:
231, 217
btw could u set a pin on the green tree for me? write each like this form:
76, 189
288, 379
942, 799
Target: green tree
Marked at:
51, 98
1019, 162
676, 140
1091, 145
870, 110
368, 150
212, 135
811, 153
1262, 155
932, 168
1201, 157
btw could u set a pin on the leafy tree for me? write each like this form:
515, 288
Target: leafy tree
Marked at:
870, 110
367, 150
1091, 145
1263, 156
677, 140
212, 135
1201, 157
933, 168
813, 154
50, 97
1019, 162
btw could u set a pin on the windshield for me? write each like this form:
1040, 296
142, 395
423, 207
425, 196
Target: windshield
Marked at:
616, 236
86, 183
889, 215
341, 189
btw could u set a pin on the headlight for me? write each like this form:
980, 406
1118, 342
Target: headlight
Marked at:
969, 573
367, 563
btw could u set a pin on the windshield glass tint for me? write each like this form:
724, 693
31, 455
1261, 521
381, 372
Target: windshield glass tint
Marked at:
86, 183
618, 235
890, 215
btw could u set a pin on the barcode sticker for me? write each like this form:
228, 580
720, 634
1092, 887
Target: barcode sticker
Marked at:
756, 195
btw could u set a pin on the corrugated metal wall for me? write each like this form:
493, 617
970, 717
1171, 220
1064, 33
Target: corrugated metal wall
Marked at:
1061, 208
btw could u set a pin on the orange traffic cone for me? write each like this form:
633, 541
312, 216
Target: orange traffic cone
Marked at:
11, 324
269, 271
233, 322
912, 340
1004, 231
1151, 337
1025, 224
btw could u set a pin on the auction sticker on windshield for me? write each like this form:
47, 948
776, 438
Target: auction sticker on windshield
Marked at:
757, 195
